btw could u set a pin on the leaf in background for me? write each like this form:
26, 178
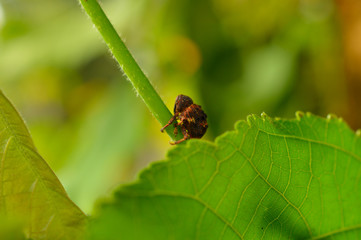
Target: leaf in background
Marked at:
29, 189
109, 134
269, 179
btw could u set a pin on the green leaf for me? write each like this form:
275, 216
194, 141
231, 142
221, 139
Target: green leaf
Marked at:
268, 179
29, 190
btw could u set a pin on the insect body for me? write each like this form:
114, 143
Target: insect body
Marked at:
190, 117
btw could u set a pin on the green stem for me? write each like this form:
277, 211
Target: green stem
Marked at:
126, 61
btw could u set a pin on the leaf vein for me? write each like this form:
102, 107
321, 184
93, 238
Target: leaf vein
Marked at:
280, 193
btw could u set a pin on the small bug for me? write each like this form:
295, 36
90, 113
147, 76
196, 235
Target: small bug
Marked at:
190, 117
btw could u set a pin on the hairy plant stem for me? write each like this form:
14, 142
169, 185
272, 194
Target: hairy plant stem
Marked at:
130, 67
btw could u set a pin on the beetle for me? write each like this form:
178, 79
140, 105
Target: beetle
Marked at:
190, 117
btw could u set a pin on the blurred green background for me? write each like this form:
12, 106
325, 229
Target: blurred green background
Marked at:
233, 57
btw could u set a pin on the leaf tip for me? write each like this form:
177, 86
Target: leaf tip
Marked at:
264, 116
250, 119
340, 120
299, 115
309, 114
358, 132
331, 116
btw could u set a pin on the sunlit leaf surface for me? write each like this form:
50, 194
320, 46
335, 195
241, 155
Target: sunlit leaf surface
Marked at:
29, 190
268, 179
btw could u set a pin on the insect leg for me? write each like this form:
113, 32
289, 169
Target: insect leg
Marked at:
175, 128
169, 123
186, 136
